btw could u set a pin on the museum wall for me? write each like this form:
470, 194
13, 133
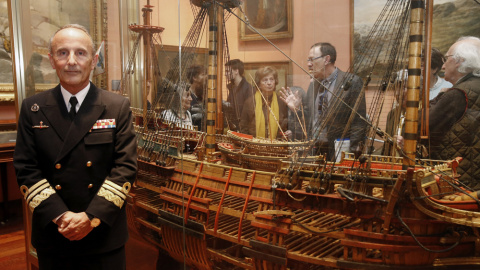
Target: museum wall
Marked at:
328, 20
114, 48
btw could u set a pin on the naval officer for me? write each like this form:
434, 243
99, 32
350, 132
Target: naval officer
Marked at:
75, 159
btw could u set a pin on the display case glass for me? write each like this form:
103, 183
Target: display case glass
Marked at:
267, 130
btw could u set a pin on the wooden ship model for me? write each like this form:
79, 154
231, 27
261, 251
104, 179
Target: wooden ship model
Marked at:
232, 201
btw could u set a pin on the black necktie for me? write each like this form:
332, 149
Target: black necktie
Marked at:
73, 101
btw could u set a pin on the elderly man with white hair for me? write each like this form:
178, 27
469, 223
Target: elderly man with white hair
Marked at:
455, 117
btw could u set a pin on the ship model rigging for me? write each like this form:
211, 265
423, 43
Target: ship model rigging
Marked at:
233, 201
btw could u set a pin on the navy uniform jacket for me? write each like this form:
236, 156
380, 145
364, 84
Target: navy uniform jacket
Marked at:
70, 166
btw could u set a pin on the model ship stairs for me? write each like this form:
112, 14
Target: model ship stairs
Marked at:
153, 178
314, 249
228, 228
203, 187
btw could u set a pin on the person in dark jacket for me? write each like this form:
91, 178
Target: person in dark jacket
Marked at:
264, 115
330, 104
75, 159
197, 77
239, 90
455, 115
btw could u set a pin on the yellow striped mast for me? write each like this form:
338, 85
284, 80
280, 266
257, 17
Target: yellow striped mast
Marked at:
414, 81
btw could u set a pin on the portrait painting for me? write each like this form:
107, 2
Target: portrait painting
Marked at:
271, 18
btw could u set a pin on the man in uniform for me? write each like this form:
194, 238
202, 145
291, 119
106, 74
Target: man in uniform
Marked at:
75, 159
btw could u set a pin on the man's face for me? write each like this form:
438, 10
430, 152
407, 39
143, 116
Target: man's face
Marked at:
73, 58
316, 63
450, 66
230, 73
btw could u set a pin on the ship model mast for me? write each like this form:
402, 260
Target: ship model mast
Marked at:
258, 210
147, 31
214, 119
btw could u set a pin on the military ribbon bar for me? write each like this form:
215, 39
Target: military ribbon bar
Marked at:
104, 123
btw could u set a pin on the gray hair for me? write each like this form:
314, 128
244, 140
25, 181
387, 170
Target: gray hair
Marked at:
76, 26
467, 51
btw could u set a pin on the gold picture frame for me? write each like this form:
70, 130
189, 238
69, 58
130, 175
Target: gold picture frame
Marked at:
6, 72
92, 14
272, 18
6, 92
166, 53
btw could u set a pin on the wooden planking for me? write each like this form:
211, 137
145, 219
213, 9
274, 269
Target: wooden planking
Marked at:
12, 251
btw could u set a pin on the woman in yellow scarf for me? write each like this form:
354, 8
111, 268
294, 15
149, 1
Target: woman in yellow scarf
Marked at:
264, 115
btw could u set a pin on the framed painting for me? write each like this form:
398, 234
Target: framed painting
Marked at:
271, 18
6, 70
167, 53
284, 70
167, 56
453, 19
444, 32
46, 17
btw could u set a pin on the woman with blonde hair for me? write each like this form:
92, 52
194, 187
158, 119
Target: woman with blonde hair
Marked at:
263, 114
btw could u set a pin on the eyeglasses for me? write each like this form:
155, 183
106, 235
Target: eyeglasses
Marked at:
315, 58
447, 56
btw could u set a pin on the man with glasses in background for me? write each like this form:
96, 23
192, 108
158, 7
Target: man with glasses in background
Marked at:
454, 119
329, 101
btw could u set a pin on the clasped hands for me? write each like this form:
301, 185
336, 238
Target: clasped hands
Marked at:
74, 226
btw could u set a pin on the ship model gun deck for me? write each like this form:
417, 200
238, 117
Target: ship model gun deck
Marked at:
233, 201
321, 213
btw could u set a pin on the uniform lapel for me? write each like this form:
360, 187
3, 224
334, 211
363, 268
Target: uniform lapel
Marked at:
56, 113
89, 112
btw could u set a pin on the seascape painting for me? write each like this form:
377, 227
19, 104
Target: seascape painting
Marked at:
451, 20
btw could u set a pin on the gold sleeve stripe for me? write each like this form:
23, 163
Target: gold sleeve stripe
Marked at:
117, 187
36, 191
116, 192
25, 190
110, 196
43, 195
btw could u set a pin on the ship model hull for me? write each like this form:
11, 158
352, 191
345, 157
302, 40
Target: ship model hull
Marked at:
233, 201
226, 213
